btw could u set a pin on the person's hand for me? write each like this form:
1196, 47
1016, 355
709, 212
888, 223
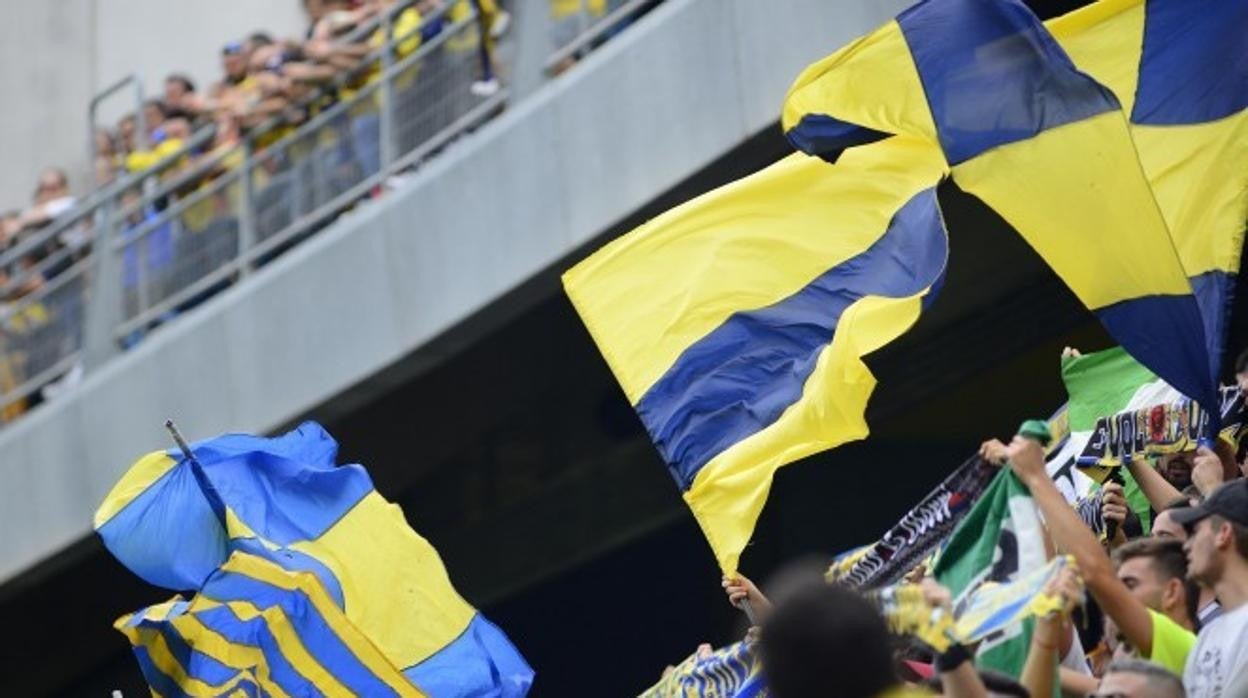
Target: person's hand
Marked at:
1114, 505
994, 452
1206, 470
935, 594
742, 589
1026, 458
1068, 587
1070, 353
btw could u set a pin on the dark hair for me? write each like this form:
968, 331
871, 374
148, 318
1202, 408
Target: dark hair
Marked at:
1168, 558
1161, 680
180, 78
1166, 554
160, 106
994, 681
259, 39
1193, 492
824, 640
1241, 362
1238, 531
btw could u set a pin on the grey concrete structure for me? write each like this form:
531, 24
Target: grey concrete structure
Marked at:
687, 83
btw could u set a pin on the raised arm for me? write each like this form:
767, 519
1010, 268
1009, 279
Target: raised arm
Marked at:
1026, 459
1159, 492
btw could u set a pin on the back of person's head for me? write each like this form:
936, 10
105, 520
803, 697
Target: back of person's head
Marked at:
1136, 678
826, 640
1241, 362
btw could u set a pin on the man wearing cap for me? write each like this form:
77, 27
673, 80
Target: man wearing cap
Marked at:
1217, 556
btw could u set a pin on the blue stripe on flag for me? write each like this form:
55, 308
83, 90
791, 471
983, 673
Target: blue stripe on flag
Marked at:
1148, 326
196, 664
481, 658
268, 484
741, 377
826, 137
159, 682
255, 633
314, 631
990, 77
295, 561
1213, 291
1192, 70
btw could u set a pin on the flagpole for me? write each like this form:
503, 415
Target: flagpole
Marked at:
748, 610
181, 442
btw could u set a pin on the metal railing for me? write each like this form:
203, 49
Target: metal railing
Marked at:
140, 255
597, 32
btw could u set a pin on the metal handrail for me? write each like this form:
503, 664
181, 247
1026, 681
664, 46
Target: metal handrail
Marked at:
356, 35
103, 268
75, 270
146, 227
593, 33
321, 119
89, 204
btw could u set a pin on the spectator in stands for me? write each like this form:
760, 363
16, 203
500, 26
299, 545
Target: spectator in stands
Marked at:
181, 97
1145, 596
52, 198
154, 115
1136, 678
10, 226
569, 19
127, 134
1165, 527
1177, 468
1217, 552
106, 160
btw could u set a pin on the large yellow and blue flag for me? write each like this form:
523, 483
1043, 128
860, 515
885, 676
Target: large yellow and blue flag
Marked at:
737, 322
1180, 71
177, 522
1045, 145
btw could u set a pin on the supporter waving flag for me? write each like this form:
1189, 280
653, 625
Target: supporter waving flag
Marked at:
283, 545
1045, 145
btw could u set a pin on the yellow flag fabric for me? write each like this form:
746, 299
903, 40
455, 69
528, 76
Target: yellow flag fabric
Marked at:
1045, 145
736, 323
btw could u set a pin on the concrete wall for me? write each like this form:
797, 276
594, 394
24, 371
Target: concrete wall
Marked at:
55, 55
688, 82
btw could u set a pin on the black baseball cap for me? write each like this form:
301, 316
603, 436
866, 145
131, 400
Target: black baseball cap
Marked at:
1230, 501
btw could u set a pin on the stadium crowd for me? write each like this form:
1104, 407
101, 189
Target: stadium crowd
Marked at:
177, 166
1153, 606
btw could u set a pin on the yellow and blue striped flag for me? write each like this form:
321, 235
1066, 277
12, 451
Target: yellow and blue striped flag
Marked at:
1046, 146
258, 629
176, 522
1180, 71
737, 322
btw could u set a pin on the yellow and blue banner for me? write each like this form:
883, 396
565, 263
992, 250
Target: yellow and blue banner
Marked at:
728, 672
1043, 144
284, 502
737, 322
